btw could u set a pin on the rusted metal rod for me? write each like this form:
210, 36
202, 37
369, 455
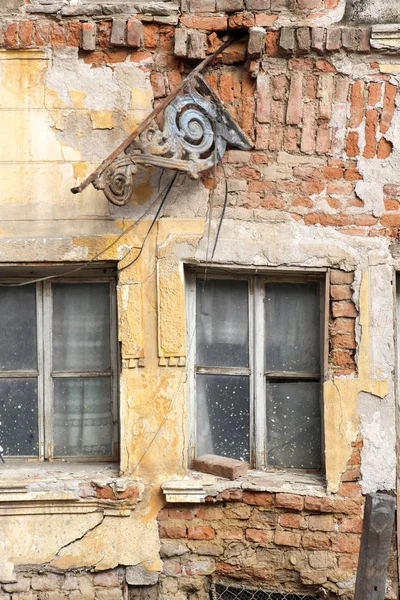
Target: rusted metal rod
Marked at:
136, 132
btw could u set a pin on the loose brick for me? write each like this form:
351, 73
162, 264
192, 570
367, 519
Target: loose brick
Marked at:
135, 33
333, 39
118, 31
318, 35
215, 23
287, 40
287, 538
256, 42
88, 36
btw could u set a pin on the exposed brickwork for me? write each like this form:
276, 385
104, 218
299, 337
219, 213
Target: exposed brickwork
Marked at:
264, 539
343, 313
74, 585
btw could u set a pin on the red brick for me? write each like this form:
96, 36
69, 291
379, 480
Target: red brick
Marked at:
173, 531
103, 33
346, 543
357, 104
74, 34
25, 33
287, 538
135, 33
259, 536
201, 533
263, 98
309, 128
341, 292
172, 567
258, 498
370, 133
242, 20
150, 35
384, 149
389, 106
290, 501
325, 66
292, 521
344, 360
341, 277
350, 490
158, 85
348, 525
374, 94
215, 23
344, 340
58, 35
295, 104
343, 309
346, 507
10, 35
271, 43
323, 142
42, 32
349, 562
316, 541
391, 204
352, 148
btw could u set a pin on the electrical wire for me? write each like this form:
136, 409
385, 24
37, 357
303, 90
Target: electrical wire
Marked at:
167, 191
99, 254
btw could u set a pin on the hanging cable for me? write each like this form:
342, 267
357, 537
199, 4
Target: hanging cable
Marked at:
94, 258
167, 191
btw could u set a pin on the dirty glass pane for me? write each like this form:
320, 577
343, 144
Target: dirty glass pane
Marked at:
81, 326
222, 323
82, 417
292, 336
19, 416
294, 425
223, 416
18, 342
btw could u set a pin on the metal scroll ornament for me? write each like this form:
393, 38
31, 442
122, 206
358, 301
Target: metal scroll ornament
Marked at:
195, 134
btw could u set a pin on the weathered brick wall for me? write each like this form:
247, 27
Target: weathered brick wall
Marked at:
279, 541
35, 584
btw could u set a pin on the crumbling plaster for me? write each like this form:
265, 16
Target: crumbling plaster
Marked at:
153, 398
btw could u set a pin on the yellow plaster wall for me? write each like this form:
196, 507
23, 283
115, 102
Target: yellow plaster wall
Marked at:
341, 420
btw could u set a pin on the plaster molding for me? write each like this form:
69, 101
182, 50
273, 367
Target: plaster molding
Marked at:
59, 503
386, 37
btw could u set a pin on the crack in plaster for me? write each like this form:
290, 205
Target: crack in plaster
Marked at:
57, 555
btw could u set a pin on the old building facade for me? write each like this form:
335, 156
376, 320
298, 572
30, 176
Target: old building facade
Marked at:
130, 345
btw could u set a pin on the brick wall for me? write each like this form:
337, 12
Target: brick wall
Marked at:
276, 540
36, 584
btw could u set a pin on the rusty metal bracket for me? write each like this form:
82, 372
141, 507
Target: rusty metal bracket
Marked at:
196, 132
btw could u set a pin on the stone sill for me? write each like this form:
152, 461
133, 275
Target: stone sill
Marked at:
20, 471
100, 9
195, 487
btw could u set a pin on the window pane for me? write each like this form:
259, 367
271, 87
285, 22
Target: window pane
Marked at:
83, 420
222, 323
81, 326
18, 343
292, 337
294, 425
19, 416
223, 416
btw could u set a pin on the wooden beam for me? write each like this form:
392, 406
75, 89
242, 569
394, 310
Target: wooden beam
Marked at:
148, 120
376, 541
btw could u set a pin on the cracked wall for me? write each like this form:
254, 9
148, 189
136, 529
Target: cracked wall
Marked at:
320, 190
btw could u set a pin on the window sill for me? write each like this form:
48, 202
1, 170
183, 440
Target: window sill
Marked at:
195, 487
60, 488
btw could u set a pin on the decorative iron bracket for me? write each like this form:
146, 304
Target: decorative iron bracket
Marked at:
196, 132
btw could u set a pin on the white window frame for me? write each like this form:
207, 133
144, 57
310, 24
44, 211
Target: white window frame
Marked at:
256, 370
45, 375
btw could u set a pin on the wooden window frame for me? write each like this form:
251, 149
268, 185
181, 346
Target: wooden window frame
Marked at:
256, 370
45, 374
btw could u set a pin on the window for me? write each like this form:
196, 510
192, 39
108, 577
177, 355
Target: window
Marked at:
256, 368
58, 370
